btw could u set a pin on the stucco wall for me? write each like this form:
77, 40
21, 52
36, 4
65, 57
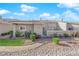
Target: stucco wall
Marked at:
76, 27
27, 28
52, 27
38, 29
5, 27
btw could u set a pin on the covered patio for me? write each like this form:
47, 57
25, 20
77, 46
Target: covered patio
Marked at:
35, 27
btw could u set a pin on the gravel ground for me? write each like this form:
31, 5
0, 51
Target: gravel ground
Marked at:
47, 49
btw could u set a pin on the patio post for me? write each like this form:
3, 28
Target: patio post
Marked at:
74, 34
32, 28
14, 31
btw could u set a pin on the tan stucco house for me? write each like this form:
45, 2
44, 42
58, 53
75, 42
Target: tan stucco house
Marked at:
41, 27
5, 26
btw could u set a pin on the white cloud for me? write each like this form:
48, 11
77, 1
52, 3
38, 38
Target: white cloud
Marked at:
70, 16
55, 16
3, 11
67, 16
74, 6
45, 15
77, 9
26, 8
68, 5
19, 14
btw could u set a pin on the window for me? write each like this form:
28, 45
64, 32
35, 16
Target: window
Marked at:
22, 27
70, 28
51, 28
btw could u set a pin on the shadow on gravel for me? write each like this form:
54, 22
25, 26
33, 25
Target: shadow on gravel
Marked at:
66, 45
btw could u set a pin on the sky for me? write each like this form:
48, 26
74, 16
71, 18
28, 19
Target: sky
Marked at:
69, 12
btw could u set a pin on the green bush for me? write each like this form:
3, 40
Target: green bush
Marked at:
55, 35
6, 33
18, 34
11, 33
32, 36
66, 35
56, 40
27, 34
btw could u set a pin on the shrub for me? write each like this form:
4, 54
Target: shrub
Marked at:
55, 40
55, 35
27, 34
38, 36
3, 34
18, 34
32, 36
11, 32
6, 33
66, 35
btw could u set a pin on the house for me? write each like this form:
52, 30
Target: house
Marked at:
5, 26
45, 27
41, 27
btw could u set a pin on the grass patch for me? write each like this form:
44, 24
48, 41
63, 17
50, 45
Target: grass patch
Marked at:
11, 42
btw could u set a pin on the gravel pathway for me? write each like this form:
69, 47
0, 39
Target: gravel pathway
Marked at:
47, 49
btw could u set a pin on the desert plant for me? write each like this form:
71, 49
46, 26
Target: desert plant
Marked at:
56, 40
32, 37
